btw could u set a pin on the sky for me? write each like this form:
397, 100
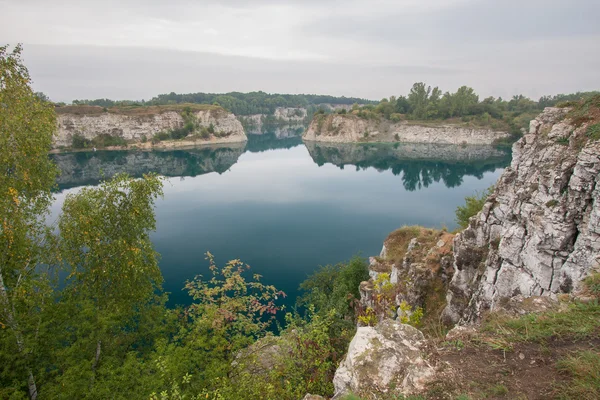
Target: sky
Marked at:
136, 49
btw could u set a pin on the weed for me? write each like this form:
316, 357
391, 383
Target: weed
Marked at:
581, 320
593, 131
498, 390
584, 369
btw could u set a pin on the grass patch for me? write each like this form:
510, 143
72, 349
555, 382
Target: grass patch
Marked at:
584, 369
592, 284
498, 390
593, 131
397, 241
579, 321
552, 203
586, 111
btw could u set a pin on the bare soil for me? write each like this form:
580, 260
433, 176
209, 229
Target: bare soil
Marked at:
528, 371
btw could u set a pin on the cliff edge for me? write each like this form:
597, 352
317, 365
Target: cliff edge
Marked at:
538, 234
348, 128
153, 126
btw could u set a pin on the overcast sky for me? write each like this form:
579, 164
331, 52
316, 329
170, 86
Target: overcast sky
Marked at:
134, 49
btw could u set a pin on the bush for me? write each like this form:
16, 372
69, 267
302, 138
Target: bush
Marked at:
79, 142
473, 204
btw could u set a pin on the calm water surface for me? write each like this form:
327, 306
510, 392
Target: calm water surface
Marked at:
284, 207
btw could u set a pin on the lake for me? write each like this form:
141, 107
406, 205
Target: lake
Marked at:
285, 207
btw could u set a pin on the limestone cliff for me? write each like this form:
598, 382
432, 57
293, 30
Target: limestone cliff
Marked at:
141, 124
347, 128
539, 232
537, 236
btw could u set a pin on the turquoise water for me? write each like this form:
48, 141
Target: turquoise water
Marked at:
284, 207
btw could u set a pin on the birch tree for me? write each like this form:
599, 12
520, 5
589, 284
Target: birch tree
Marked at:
27, 124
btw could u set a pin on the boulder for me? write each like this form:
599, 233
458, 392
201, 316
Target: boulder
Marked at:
387, 357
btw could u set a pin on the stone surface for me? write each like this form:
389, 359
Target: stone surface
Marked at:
313, 397
348, 128
134, 128
538, 234
381, 357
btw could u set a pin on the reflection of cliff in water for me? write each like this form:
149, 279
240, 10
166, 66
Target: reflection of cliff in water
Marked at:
280, 131
420, 164
270, 141
89, 168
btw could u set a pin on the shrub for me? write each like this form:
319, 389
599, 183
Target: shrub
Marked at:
473, 204
211, 129
79, 142
397, 137
396, 117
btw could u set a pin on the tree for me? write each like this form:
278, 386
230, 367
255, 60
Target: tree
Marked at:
464, 98
114, 273
418, 99
27, 124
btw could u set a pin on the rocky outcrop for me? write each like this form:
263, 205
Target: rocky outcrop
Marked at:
411, 273
539, 232
348, 128
89, 168
141, 124
389, 355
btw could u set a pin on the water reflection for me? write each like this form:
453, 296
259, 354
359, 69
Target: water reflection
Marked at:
420, 164
284, 207
89, 168
270, 141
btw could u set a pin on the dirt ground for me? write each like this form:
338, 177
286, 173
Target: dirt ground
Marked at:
527, 371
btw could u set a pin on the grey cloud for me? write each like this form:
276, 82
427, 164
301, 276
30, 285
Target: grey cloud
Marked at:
68, 72
471, 21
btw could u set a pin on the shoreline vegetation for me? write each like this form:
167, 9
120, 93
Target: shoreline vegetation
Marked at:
423, 106
103, 331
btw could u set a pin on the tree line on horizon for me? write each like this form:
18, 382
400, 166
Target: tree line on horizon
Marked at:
423, 102
236, 102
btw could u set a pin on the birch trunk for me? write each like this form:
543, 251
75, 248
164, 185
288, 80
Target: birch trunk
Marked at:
13, 325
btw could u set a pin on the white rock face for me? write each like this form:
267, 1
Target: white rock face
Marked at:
135, 127
539, 232
350, 128
290, 114
384, 356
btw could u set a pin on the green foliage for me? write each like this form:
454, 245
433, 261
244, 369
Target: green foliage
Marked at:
584, 369
335, 287
230, 306
237, 103
27, 124
473, 204
100, 141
